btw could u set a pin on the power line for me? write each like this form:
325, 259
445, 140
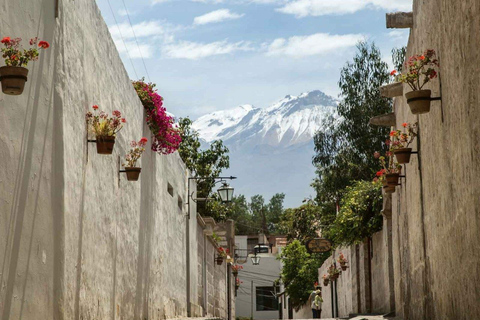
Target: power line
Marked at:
121, 36
135, 36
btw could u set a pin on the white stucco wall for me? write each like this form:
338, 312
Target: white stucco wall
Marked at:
78, 241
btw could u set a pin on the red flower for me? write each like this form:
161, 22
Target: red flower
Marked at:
392, 133
144, 140
95, 107
123, 120
404, 124
44, 44
421, 57
6, 40
393, 72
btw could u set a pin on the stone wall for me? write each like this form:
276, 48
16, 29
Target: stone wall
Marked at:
355, 294
78, 240
436, 210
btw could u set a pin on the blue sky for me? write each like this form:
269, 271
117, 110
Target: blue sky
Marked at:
208, 55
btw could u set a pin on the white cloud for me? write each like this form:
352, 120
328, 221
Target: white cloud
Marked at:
195, 50
304, 8
148, 33
315, 44
216, 16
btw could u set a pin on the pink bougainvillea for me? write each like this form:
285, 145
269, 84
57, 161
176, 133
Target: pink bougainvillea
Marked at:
166, 137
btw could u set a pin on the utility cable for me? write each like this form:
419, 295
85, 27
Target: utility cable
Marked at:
136, 40
123, 40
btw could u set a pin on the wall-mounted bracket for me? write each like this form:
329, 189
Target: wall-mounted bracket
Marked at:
399, 20
384, 120
392, 90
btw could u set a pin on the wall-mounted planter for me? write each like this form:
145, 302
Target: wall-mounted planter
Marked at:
326, 282
105, 145
133, 173
219, 260
392, 179
344, 267
235, 273
419, 101
403, 155
13, 80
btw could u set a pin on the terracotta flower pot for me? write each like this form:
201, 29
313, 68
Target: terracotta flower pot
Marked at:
403, 155
388, 189
334, 276
344, 267
235, 273
326, 282
219, 261
392, 179
13, 79
419, 101
133, 173
105, 145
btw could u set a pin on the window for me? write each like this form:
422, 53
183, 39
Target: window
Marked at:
266, 300
180, 203
170, 189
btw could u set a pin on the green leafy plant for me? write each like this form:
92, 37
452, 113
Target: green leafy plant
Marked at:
16, 56
102, 125
420, 69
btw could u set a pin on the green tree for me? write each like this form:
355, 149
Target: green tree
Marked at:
346, 144
208, 163
398, 57
359, 216
300, 272
302, 223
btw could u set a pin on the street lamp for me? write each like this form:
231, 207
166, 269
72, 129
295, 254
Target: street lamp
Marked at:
255, 259
225, 192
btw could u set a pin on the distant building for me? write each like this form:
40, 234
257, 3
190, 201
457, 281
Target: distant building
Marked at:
257, 294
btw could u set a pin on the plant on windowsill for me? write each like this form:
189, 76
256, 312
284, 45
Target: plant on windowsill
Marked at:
166, 137
235, 269
390, 173
343, 262
333, 272
105, 128
400, 140
326, 279
14, 74
420, 69
132, 171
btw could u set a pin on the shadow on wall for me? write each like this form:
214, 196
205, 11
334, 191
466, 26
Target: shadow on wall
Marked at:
32, 128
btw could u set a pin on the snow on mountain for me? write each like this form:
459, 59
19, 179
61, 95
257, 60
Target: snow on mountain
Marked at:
271, 149
290, 121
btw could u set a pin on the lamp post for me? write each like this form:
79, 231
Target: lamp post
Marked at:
255, 258
226, 195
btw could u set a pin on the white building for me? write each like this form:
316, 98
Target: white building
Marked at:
257, 294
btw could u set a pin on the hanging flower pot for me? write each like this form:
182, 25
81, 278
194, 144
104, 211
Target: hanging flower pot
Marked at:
403, 155
105, 144
326, 282
235, 273
13, 80
419, 101
219, 260
387, 188
343, 267
392, 179
133, 173
13, 76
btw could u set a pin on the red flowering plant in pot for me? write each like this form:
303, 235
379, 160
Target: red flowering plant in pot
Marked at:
222, 254
105, 128
237, 283
333, 272
166, 136
400, 141
342, 261
14, 74
132, 171
235, 269
390, 172
420, 69
326, 279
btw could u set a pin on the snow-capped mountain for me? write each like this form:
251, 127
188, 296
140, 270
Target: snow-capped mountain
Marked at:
271, 148
290, 121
